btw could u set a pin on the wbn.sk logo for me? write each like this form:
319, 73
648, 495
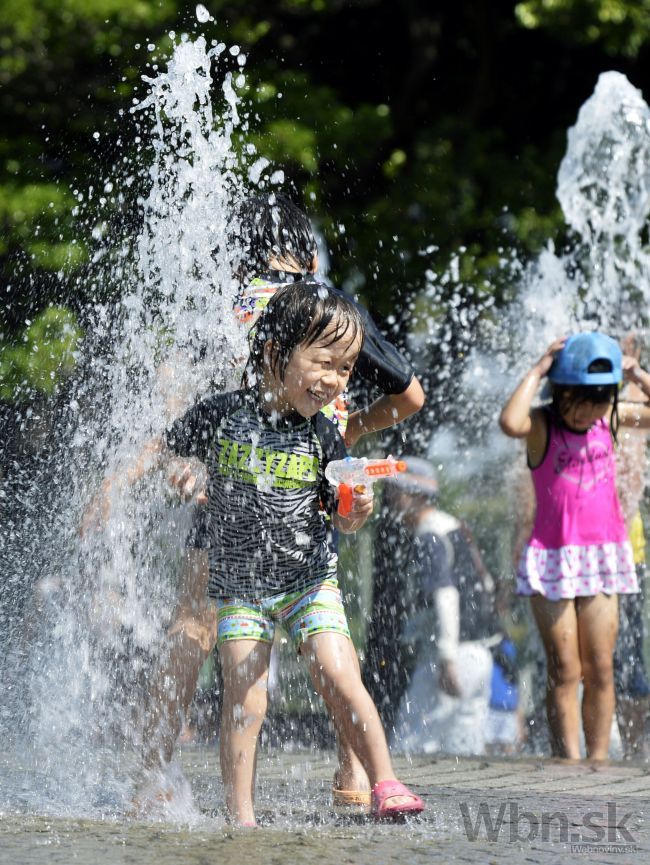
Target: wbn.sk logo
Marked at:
592, 827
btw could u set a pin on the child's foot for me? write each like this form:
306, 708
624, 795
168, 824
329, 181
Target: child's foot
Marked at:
162, 794
242, 822
349, 791
243, 815
151, 799
391, 800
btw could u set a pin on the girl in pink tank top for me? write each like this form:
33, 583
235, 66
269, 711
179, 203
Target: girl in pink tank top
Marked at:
578, 558
579, 545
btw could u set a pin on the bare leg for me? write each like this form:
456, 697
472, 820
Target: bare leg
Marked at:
350, 774
339, 683
191, 638
597, 628
558, 627
245, 665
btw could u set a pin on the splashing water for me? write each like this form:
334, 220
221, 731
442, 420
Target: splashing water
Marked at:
604, 179
603, 187
82, 683
202, 14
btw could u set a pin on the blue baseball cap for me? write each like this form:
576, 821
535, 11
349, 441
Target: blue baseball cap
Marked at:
581, 350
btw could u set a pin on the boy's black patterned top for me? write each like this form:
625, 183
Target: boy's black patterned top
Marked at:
266, 486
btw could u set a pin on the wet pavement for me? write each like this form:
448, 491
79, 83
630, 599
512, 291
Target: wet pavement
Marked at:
478, 811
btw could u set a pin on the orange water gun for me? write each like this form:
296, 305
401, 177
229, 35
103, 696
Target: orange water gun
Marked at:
354, 474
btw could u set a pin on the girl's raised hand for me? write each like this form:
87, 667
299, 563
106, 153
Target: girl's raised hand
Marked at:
631, 369
546, 360
516, 419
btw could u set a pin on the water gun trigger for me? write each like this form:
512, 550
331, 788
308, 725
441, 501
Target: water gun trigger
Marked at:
346, 495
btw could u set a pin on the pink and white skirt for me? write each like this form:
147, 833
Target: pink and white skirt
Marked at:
577, 572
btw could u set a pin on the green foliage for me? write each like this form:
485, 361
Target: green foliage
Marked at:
284, 141
314, 131
37, 31
38, 217
58, 73
622, 26
42, 355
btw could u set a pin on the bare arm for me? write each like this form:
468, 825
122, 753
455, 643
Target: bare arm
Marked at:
148, 460
184, 474
98, 509
634, 414
387, 411
518, 419
515, 419
447, 601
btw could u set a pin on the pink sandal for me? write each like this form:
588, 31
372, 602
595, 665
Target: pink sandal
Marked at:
384, 790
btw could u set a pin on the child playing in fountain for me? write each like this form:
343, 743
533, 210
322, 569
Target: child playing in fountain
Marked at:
578, 558
280, 248
265, 448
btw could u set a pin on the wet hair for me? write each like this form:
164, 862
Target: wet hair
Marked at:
299, 314
565, 397
272, 226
